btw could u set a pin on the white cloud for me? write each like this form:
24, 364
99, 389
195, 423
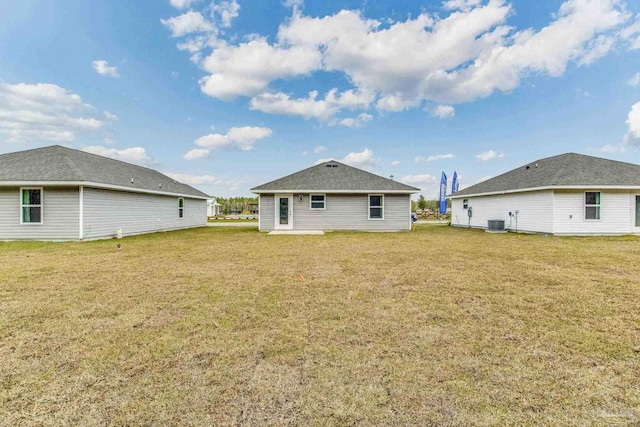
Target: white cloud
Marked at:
632, 34
189, 22
196, 153
243, 138
136, 155
489, 155
280, 103
102, 67
295, 4
425, 179
483, 178
460, 4
109, 141
320, 149
44, 111
194, 179
395, 163
469, 54
305, 153
634, 81
226, 10
363, 160
109, 116
612, 148
355, 122
247, 69
443, 111
596, 49
632, 137
182, 4
206, 181
433, 158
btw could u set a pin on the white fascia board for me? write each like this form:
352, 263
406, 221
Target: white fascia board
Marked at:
336, 191
96, 185
548, 187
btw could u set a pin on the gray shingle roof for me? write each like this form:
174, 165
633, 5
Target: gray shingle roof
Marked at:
334, 176
61, 164
569, 169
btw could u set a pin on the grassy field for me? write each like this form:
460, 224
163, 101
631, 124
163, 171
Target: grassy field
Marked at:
219, 326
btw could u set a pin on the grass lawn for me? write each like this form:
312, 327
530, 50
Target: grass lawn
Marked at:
233, 220
227, 326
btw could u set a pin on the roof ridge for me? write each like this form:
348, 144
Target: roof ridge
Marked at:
70, 162
358, 170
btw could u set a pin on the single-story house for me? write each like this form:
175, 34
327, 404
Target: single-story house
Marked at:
58, 193
334, 196
213, 207
569, 194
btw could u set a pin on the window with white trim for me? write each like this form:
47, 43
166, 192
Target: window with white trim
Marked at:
592, 205
376, 206
180, 207
317, 201
465, 203
31, 206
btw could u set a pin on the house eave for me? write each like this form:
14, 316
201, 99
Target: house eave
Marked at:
88, 184
548, 187
256, 191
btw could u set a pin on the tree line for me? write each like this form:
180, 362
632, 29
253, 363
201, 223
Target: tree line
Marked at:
422, 204
242, 205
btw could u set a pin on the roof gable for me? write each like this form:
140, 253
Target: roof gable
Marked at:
334, 176
60, 164
564, 170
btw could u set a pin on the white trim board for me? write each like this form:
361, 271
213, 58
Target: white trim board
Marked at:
320, 191
548, 187
95, 185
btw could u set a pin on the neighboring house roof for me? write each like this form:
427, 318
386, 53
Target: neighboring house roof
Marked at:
60, 165
334, 177
569, 170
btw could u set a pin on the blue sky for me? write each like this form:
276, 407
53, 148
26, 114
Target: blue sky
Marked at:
226, 95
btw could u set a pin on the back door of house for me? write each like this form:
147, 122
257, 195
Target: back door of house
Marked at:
284, 212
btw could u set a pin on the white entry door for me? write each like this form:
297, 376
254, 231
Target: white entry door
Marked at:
284, 212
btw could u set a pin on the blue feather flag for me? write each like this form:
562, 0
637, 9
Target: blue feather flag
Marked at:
454, 183
443, 194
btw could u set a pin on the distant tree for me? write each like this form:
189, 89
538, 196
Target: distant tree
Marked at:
422, 202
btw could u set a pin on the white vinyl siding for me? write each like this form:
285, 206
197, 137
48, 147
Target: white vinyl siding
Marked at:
106, 211
616, 210
351, 212
60, 212
267, 212
535, 211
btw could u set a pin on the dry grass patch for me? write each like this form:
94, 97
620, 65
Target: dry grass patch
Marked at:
215, 326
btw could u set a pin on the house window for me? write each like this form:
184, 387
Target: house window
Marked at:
180, 207
317, 201
376, 206
592, 205
31, 206
465, 203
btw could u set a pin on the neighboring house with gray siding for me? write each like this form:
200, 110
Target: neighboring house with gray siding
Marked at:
334, 196
569, 194
58, 193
